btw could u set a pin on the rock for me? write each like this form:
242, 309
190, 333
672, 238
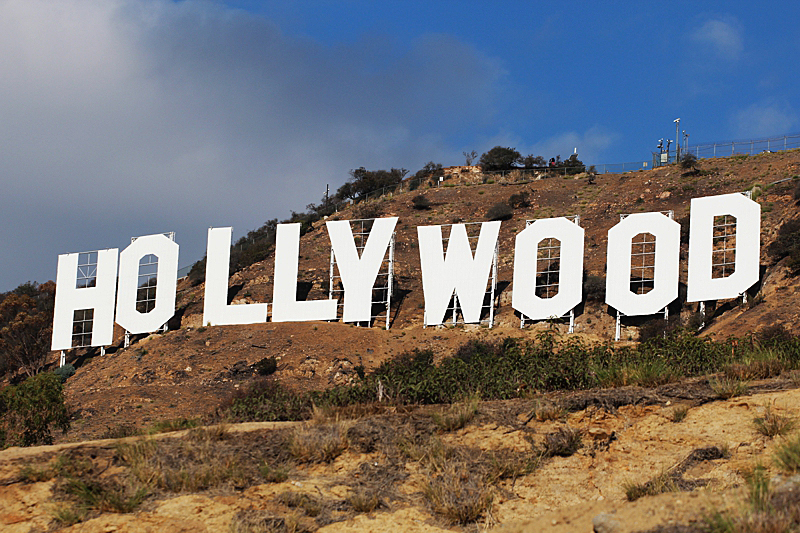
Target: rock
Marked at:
606, 523
600, 433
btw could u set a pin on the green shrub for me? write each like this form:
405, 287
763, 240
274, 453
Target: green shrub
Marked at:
29, 410
64, 372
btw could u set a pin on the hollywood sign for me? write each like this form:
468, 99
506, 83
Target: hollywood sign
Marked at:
112, 295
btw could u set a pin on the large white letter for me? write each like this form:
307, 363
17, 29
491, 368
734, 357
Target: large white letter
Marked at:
457, 271
285, 307
99, 298
702, 286
570, 276
667, 233
358, 274
128, 316
216, 311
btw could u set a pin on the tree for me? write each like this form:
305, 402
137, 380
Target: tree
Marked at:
573, 165
26, 325
469, 157
500, 158
534, 161
363, 181
430, 170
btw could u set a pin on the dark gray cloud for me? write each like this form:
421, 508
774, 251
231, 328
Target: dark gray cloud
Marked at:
127, 117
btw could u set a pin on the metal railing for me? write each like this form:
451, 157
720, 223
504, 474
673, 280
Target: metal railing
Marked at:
733, 148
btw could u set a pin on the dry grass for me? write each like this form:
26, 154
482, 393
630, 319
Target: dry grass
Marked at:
253, 521
758, 364
562, 442
547, 411
274, 474
726, 388
309, 504
187, 465
457, 495
772, 424
321, 443
678, 413
458, 414
663, 482
787, 455
364, 501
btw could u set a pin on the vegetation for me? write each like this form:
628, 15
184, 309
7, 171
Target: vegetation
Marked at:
500, 211
458, 415
500, 158
26, 322
787, 244
771, 424
29, 411
420, 202
519, 200
508, 368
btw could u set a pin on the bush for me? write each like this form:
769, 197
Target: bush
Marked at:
518, 200
689, 162
30, 409
64, 372
267, 366
500, 158
532, 161
420, 202
500, 211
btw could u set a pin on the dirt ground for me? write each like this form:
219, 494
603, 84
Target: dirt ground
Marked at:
634, 442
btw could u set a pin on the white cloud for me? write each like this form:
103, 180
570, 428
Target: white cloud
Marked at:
126, 117
764, 119
722, 36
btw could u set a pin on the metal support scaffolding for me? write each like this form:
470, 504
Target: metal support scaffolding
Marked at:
549, 256
643, 251
383, 289
487, 309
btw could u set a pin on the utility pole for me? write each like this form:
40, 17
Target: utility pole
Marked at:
677, 122
685, 142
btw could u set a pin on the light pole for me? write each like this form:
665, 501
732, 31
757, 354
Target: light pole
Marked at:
677, 122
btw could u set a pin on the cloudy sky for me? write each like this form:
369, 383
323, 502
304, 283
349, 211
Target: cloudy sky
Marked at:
121, 118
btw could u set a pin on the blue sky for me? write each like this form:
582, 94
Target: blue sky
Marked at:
121, 118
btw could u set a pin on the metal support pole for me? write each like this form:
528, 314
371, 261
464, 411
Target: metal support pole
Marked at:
703, 311
62, 359
571, 321
102, 350
494, 286
455, 307
617, 329
330, 282
389, 284
127, 342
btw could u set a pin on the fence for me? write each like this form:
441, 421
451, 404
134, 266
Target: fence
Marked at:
730, 148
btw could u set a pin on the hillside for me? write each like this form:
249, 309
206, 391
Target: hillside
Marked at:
628, 433
178, 372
